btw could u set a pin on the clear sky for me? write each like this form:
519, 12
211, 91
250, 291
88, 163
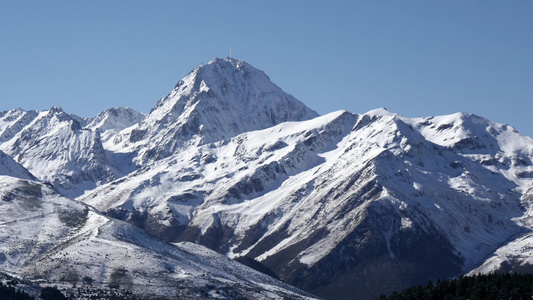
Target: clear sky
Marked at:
416, 58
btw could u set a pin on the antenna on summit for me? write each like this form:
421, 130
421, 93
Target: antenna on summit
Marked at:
229, 52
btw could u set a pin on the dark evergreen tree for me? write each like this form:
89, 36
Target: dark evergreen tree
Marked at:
480, 287
11, 293
50, 293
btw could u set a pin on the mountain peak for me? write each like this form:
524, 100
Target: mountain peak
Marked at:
223, 73
219, 66
115, 119
236, 63
379, 112
56, 110
216, 101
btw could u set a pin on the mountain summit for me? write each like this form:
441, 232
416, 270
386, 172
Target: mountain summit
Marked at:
216, 101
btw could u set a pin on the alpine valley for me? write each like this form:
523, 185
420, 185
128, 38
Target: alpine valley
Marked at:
229, 173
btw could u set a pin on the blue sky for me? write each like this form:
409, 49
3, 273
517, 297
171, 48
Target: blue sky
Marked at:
416, 58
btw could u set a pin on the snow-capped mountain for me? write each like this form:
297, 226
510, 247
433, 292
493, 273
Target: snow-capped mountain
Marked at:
338, 196
338, 205
57, 241
213, 102
113, 120
56, 148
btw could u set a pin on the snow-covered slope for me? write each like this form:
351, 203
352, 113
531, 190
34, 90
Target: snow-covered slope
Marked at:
56, 148
421, 198
515, 256
57, 241
9, 167
213, 102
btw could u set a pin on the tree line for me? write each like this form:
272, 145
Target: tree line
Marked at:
482, 287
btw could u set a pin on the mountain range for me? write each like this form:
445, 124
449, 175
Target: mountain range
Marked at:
341, 206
